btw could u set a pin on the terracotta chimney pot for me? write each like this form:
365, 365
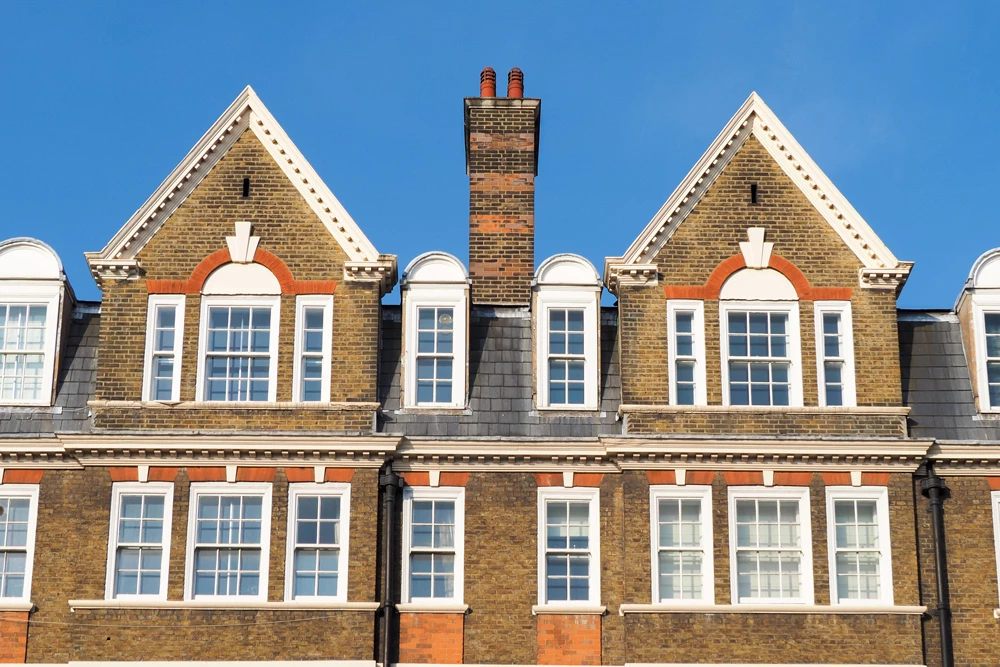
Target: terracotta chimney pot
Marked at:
488, 83
515, 83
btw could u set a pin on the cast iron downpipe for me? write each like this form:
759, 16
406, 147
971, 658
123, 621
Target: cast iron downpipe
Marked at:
934, 488
388, 482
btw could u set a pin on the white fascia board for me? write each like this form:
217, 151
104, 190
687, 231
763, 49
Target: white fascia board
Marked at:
247, 111
752, 118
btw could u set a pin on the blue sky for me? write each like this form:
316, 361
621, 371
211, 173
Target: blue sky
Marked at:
99, 101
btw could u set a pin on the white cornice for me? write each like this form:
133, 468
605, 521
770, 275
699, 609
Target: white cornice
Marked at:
247, 111
976, 460
756, 118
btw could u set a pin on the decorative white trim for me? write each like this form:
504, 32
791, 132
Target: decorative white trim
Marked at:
301, 303
755, 118
880, 495
843, 308
330, 489
246, 111
429, 608
155, 302
272, 302
800, 494
242, 246
840, 609
456, 297
46, 294
222, 603
756, 252
16, 605
568, 609
698, 333
704, 495
198, 489
118, 489
569, 298
592, 496
455, 494
793, 332
29, 491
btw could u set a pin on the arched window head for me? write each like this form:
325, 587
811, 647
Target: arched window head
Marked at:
983, 286
435, 289
567, 321
33, 292
241, 279
758, 285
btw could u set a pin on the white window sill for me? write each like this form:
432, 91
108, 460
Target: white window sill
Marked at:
434, 410
701, 608
568, 408
234, 405
591, 609
793, 409
16, 605
291, 605
432, 607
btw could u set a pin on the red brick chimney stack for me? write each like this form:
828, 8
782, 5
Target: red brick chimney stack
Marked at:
501, 159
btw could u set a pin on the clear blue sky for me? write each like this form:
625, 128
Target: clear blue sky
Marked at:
99, 101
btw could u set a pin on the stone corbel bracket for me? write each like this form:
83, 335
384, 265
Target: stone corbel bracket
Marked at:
616, 274
384, 271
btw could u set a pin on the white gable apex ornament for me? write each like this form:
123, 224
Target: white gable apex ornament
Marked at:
242, 247
880, 268
118, 258
756, 253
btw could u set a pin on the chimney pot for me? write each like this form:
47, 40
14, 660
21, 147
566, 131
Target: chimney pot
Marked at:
515, 83
488, 83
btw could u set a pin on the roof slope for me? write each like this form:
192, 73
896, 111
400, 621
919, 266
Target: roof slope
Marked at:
936, 382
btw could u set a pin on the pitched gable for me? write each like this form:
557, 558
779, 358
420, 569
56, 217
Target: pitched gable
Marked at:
754, 119
246, 115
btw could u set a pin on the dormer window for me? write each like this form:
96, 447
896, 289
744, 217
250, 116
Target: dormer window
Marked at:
566, 304
32, 288
982, 298
435, 305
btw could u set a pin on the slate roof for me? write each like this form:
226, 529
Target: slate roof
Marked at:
936, 381
74, 384
500, 383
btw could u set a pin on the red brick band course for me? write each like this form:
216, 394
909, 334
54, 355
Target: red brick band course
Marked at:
423, 478
13, 636
585, 479
196, 282
22, 476
727, 267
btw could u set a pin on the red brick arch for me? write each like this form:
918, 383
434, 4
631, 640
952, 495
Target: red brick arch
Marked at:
287, 282
727, 267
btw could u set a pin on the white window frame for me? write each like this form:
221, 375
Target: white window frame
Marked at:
29, 491
272, 302
327, 489
119, 489
801, 494
48, 297
226, 489
445, 493
794, 333
592, 496
842, 308
156, 301
880, 495
674, 492
698, 332
566, 299
981, 305
436, 297
301, 303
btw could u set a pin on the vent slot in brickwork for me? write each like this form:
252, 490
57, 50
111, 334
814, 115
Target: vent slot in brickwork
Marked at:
753, 193
246, 187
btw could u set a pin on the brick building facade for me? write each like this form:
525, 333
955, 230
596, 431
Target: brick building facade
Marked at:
241, 454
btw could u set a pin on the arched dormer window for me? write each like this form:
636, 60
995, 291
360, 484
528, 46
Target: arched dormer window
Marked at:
984, 286
567, 291
33, 296
435, 289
